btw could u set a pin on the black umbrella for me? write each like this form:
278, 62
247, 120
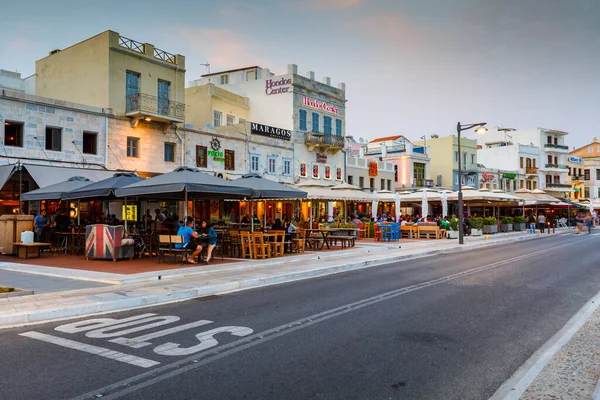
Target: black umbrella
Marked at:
267, 189
55, 192
104, 188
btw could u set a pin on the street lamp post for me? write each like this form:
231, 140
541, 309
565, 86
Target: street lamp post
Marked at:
459, 128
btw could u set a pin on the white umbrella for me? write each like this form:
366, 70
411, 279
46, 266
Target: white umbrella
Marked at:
444, 204
374, 205
330, 210
397, 203
424, 205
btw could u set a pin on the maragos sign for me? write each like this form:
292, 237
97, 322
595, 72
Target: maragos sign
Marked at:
322, 106
276, 87
265, 130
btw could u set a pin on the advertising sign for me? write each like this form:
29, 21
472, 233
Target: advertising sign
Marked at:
576, 160
270, 131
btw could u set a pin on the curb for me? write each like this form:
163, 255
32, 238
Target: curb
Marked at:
111, 302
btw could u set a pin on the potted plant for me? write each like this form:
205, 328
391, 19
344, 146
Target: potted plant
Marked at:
453, 232
490, 225
476, 223
519, 223
506, 224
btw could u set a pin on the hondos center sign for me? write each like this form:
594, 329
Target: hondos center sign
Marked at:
270, 131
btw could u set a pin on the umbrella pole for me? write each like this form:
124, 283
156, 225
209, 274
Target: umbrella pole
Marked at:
185, 200
193, 213
78, 213
265, 213
251, 215
125, 214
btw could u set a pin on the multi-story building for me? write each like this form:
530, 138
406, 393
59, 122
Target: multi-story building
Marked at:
290, 109
522, 160
552, 155
410, 162
12, 81
499, 179
443, 153
584, 171
372, 173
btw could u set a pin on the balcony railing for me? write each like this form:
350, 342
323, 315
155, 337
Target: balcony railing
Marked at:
323, 141
424, 183
531, 170
163, 55
555, 146
131, 44
155, 107
558, 185
578, 178
557, 166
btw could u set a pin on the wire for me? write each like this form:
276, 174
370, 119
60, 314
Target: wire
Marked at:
41, 147
119, 161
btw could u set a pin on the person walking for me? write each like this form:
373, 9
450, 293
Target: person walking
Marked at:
589, 222
531, 220
541, 222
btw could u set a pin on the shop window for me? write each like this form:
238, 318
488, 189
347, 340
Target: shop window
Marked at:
90, 143
13, 134
169, 152
133, 147
201, 156
53, 138
229, 160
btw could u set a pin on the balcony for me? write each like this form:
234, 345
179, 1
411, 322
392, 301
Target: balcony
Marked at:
558, 186
424, 183
556, 148
151, 108
323, 142
531, 170
556, 167
578, 178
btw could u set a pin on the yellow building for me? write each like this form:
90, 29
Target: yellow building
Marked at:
108, 70
211, 105
584, 171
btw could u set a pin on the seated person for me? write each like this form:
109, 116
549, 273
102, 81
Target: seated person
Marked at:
444, 226
208, 232
190, 240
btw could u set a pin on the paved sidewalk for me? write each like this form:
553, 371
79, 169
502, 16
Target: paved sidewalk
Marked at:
171, 285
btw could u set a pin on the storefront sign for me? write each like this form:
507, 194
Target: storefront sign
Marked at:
576, 160
129, 212
485, 177
216, 155
321, 158
373, 169
276, 87
308, 102
270, 131
509, 176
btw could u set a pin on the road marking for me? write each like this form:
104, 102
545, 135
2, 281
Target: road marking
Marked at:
129, 385
87, 348
142, 341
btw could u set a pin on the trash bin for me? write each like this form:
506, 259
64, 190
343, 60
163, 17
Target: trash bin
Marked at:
27, 237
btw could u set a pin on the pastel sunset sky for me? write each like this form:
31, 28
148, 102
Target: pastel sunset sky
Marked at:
411, 67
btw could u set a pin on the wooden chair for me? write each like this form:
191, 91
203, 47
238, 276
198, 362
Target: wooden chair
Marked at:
260, 248
246, 244
299, 241
235, 244
363, 231
278, 246
166, 244
377, 234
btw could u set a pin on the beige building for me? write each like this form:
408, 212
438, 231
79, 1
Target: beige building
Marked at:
443, 167
584, 171
108, 70
211, 105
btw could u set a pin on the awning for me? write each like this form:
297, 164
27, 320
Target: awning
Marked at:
6, 172
56, 191
45, 175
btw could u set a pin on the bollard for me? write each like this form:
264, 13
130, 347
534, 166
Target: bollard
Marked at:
553, 228
548, 228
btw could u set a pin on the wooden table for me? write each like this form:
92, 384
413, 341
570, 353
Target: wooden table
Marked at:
29, 250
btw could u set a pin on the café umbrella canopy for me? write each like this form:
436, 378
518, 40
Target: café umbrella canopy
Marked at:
104, 188
56, 191
424, 204
263, 188
444, 203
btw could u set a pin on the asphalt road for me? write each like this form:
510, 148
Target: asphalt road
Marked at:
453, 326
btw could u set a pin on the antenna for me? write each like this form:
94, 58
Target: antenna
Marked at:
207, 65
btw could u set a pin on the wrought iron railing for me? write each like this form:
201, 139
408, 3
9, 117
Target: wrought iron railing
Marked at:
558, 185
423, 182
559, 166
145, 103
131, 44
324, 139
578, 177
163, 55
556, 146
531, 170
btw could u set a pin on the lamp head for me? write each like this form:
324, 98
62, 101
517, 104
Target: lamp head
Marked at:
481, 130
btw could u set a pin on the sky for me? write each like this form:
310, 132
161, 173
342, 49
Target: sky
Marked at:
411, 67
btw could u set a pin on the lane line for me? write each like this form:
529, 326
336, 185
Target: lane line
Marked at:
168, 371
88, 348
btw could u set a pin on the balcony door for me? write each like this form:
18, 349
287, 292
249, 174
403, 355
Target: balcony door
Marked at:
132, 82
164, 88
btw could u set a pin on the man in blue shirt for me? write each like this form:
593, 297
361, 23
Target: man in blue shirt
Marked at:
190, 240
39, 222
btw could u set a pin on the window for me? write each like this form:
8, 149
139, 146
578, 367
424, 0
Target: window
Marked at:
456, 156
132, 90
598, 192
521, 183
229, 160
315, 171
395, 173
534, 163
217, 118
90, 140
254, 162
586, 192
351, 180
586, 174
241, 121
13, 134
251, 75
315, 122
169, 152
382, 186
224, 79
599, 149
230, 120
590, 149
361, 181
272, 165
338, 127
389, 185
372, 183
133, 147
287, 167
598, 175
303, 171
53, 139
164, 88
327, 125
302, 120
473, 159
534, 185
201, 156
521, 162
464, 159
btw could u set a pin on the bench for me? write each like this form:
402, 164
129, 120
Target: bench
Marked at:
345, 241
29, 250
428, 232
408, 231
166, 244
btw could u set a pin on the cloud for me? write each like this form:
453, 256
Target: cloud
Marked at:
330, 4
394, 30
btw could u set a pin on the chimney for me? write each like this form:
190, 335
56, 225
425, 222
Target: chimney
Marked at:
266, 73
361, 152
341, 86
327, 81
311, 75
292, 69
383, 150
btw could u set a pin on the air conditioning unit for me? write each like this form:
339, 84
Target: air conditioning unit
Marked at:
219, 175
